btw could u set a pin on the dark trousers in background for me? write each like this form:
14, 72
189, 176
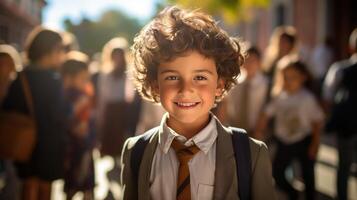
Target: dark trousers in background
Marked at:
347, 152
285, 154
11, 189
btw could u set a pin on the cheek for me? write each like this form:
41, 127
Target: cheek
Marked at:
209, 92
166, 91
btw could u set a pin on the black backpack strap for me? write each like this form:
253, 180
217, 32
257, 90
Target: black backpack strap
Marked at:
138, 152
242, 155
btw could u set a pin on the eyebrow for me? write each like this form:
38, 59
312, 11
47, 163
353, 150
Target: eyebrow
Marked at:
174, 71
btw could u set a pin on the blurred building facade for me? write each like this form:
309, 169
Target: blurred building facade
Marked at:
315, 21
17, 18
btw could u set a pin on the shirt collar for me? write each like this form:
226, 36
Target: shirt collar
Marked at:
203, 139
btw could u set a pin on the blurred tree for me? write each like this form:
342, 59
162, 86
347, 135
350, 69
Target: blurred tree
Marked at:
92, 35
231, 10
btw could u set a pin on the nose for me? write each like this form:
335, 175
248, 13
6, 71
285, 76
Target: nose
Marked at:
186, 86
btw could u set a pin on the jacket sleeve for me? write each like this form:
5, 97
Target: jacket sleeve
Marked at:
262, 179
128, 190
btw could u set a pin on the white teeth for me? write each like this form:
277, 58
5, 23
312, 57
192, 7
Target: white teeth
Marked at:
186, 104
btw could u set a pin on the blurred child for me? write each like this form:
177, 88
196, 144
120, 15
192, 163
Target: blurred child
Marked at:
245, 101
79, 174
297, 126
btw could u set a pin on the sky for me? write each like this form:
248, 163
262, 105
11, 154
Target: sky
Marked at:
57, 10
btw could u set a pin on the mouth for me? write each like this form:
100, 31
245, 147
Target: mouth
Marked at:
186, 105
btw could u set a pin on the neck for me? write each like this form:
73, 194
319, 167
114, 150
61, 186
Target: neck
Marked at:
291, 92
250, 76
44, 63
187, 129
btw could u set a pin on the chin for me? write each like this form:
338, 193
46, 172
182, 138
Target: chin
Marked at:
187, 118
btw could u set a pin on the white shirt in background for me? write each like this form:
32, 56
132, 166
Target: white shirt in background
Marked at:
294, 115
322, 57
257, 94
150, 116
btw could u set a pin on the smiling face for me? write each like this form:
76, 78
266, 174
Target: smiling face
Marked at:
188, 87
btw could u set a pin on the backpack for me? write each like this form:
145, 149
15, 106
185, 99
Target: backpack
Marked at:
242, 155
344, 109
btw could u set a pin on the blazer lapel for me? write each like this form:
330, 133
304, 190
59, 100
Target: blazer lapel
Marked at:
145, 168
225, 184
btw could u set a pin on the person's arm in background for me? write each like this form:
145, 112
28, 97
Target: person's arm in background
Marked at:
317, 121
265, 116
314, 146
330, 85
261, 127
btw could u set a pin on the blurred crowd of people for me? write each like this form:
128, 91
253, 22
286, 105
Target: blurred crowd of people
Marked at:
77, 108
283, 97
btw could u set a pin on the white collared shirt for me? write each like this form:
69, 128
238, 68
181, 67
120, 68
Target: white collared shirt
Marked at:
163, 176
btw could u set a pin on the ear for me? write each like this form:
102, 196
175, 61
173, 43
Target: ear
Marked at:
220, 87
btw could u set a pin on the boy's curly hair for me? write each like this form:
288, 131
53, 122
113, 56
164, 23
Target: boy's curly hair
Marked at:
174, 32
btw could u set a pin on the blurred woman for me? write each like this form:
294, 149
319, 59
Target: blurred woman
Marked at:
10, 62
45, 53
118, 104
283, 42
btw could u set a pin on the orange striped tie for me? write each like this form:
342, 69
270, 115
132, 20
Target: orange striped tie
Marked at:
184, 154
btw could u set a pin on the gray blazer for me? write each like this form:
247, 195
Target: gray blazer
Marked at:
225, 183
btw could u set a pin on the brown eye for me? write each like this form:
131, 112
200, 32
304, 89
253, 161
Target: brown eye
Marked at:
200, 78
171, 78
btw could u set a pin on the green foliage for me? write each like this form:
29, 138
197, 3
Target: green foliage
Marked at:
92, 35
231, 10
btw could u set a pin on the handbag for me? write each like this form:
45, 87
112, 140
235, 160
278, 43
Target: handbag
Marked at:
18, 131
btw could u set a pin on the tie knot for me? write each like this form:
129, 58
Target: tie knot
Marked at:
184, 153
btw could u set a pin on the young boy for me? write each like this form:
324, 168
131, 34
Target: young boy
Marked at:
184, 61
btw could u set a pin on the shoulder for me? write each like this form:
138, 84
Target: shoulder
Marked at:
307, 97
341, 64
337, 67
147, 136
261, 78
256, 143
256, 146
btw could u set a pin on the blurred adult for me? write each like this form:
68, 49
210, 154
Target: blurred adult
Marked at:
45, 53
283, 42
9, 62
340, 93
246, 100
118, 104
